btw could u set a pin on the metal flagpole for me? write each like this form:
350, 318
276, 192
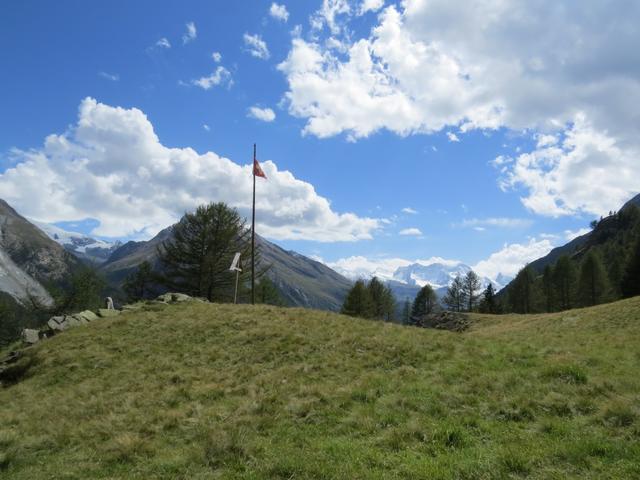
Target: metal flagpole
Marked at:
253, 232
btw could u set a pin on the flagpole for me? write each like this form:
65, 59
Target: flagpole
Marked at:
253, 233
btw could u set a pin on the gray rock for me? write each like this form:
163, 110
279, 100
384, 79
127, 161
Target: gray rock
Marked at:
165, 298
57, 324
30, 336
180, 297
88, 315
72, 321
104, 312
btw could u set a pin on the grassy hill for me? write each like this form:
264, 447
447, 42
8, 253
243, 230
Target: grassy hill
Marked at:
199, 391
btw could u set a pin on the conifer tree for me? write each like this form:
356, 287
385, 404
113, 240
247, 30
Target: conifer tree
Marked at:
521, 292
470, 287
406, 312
137, 284
593, 284
382, 301
564, 279
488, 304
630, 285
548, 288
198, 255
425, 302
358, 302
267, 293
455, 298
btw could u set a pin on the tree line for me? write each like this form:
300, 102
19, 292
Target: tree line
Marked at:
605, 270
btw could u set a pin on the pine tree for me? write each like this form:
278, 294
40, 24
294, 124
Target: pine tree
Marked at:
488, 304
470, 287
406, 312
382, 300
138, 283
85, 292
593, 284
425, 302
630, 285
564, 279
198, 256
521, 292
358, 302
548, 288
455, 298
267, 293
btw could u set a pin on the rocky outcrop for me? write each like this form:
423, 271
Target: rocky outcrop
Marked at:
452, 321
61, 323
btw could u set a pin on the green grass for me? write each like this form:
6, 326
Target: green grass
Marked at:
198, 391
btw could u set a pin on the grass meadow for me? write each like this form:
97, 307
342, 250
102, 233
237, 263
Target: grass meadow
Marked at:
204, 391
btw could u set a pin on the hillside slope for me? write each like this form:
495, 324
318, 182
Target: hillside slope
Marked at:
29, 258
204, 391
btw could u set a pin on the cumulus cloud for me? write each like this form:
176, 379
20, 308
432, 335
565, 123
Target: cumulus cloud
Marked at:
256, 46
411, 232
216, 56
263, 114
571, 234
163, 43
370, 6
452, 137
409, 210
111, 166
206, 127
537, 67
589, 171
512, 257
191, 33
279, 12
220, 76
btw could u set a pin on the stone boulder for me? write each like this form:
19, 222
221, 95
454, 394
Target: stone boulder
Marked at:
57, 324
453, 321
104, 313
87, 315
30, 336
173, 297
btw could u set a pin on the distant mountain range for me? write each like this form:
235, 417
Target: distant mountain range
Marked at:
82, 246
406, 281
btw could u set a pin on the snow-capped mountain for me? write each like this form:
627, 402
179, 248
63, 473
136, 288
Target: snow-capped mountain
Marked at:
440, 275
82, 246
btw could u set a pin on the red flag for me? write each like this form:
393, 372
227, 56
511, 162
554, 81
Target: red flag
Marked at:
257, 170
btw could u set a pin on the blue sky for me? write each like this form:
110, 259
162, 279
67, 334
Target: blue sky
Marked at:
496, 141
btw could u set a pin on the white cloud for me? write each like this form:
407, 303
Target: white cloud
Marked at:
571, 234
411, 232
500, 222
191, 33
279, 12
111, 166
329, 13
589, 171
220, 76
114, 77
256, 46
370, 6
216, 56
512, 257
163, 43
452, 137
264, 114
409, 210
426, 66
206, 127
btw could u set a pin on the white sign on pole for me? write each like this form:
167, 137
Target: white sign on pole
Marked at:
235, 265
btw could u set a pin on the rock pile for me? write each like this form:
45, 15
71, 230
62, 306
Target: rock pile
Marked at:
453, 321
61, 323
